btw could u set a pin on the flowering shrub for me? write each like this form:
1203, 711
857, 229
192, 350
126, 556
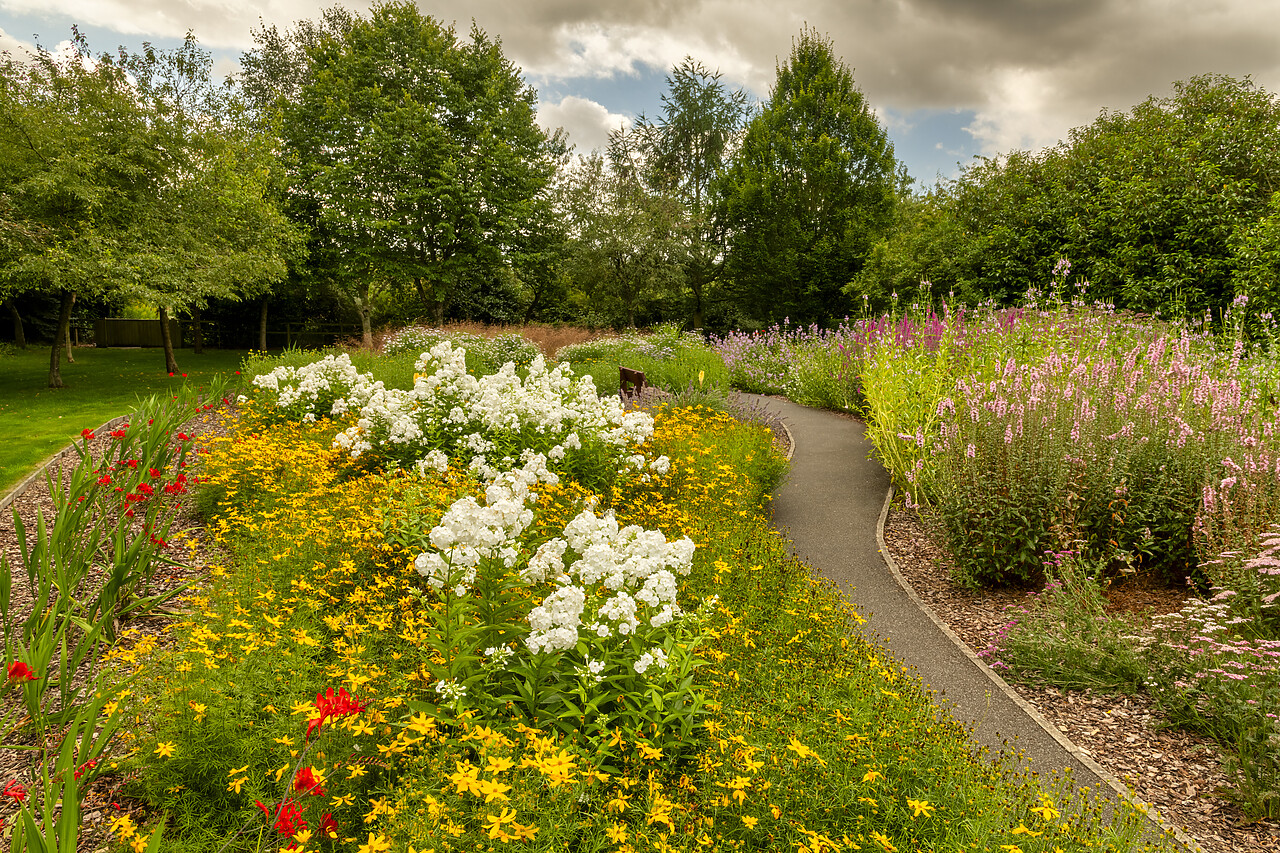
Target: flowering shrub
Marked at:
488, 353
489, 424
607, 631
330, 387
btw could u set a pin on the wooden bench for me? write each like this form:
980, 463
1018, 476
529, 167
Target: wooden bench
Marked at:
630, 382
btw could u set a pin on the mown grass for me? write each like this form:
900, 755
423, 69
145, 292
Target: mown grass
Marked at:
37, 421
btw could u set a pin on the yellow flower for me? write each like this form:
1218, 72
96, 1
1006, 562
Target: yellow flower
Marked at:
872, 775
1046, 810
234, 784
749, 821
616, 832
376, 844
803, 751
355, 771
919, 807
647, 751
124, 827
883, 841
164, 749
498, 764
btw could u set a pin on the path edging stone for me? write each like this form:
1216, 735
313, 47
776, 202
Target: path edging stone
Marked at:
1121, 790
30, 480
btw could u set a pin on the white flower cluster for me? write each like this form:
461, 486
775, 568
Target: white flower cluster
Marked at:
484, 423
326, 388
622, 581
469, 532
609, 583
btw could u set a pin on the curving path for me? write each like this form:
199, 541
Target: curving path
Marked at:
832, 507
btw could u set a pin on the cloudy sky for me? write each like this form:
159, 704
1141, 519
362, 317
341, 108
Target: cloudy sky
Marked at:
950, 79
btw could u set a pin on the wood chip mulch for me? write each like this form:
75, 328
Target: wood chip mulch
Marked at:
1179, 773
104, 801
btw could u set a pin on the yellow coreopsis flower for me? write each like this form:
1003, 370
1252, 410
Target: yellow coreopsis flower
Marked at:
164, 749
375, 844
919, 807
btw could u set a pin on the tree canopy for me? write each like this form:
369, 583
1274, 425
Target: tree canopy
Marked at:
125, 177
809, 191
415, 153
1168, 207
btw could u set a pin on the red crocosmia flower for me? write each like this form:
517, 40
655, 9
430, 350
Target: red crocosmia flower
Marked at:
329, 705
146, 489
118, 433
154, 472
16, 791
88, 765
182, 436
171, 373
19, 671
288, 817
328, 826
184, 376
86, 434
307, 783
159, 540
104, 480
128, 513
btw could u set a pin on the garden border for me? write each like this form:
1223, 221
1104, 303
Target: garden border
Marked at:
1050, 729
30, 480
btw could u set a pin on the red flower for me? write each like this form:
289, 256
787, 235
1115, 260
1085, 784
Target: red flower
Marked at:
159, 540
171, 373
328, 826
329, 705
19, 671
154, 472
86, 434
146, 489
119, 433
16, 791
288, 818
307, 783
88, 765
104, 480
182, 436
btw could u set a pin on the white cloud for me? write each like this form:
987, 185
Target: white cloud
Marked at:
1023, 111
587, 123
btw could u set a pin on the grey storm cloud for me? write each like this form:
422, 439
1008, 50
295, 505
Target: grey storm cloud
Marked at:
1029, 70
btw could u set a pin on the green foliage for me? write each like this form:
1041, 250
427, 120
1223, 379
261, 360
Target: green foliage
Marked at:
682, 154
808, 192
1167, 207
1064, 636
132, 177
624, 258
416, 156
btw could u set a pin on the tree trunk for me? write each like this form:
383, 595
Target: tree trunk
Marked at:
60, 339
170, 362
70, 359
197, 344
19, 334
262, 326
365, 310
438, 317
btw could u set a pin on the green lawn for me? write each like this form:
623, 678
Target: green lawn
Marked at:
37, 421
